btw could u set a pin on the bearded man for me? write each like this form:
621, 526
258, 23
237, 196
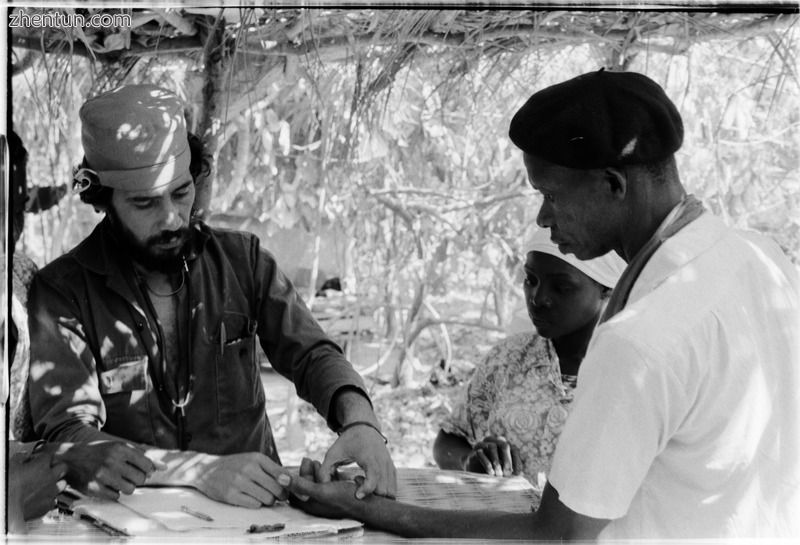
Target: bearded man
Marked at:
143, 354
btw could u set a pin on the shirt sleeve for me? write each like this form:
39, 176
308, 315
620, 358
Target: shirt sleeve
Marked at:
64, 393
627, 403
293, 341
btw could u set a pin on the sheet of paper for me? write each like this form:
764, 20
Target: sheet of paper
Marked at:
165, 506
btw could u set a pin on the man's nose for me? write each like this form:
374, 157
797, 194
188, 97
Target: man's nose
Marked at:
544, 218
171, 217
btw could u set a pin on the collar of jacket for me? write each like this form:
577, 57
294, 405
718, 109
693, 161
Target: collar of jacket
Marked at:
100, 252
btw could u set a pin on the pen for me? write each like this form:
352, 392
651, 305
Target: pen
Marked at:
103, 525
263, 528
197, 514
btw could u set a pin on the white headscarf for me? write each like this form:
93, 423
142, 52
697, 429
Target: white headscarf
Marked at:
605, 269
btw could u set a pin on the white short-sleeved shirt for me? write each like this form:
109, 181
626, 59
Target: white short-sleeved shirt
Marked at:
686, 419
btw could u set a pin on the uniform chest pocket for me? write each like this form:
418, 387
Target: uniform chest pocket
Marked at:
238, 379
127, 374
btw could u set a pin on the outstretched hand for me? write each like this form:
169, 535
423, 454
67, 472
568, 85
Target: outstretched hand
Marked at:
494, 456
331, 499
365, 446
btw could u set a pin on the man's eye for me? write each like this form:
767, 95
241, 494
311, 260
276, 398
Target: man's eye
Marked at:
531, 281
143, 205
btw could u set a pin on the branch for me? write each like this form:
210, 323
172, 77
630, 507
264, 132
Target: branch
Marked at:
398, 209
429, 322
166, 47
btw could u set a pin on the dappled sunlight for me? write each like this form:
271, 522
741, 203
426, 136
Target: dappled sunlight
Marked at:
461, 490
86, 392
41, 369
54, 391
106, 346
192, 467
784, 296
685, 275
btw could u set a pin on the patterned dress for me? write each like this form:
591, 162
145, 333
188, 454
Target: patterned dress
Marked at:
21, 424
518, 393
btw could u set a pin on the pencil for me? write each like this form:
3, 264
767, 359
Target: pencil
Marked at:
197, 514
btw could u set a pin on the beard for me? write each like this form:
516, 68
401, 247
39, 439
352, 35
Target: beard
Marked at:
144, 253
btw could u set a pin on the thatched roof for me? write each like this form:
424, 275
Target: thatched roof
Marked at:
335, 34
237, 57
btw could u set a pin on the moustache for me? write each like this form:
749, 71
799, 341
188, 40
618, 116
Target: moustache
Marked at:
166, 237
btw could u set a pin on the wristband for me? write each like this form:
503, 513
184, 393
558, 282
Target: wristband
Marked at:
346, 427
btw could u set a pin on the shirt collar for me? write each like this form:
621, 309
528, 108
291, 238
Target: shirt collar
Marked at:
100, 252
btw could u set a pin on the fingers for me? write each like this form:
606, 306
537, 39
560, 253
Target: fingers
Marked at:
505, 458
498, 457
40, 485
490, 449
486, 464
248, 479
136, 458
302, 487
333, 458
262, 490
101, 490
264, 487
307, 469
516, 460
380, 478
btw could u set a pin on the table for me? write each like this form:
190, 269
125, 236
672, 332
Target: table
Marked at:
426, 487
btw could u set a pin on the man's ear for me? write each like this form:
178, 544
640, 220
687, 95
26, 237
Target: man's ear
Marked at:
617, 181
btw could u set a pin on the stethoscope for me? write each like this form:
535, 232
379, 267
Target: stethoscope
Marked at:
178, 403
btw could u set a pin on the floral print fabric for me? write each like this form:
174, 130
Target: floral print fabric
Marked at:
517, 393
21, 423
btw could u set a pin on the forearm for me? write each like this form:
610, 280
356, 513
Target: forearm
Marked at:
181, 468
349, 405
450, 450
78, 432
417, 522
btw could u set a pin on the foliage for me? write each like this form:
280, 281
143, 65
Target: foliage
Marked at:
397, 157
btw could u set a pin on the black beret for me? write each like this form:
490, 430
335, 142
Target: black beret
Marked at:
598, 120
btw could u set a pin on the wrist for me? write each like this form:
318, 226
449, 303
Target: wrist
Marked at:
351, 404
364, 423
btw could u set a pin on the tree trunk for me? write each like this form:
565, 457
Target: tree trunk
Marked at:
216, 60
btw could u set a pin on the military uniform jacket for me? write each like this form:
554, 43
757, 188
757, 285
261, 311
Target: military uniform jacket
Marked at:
96, 347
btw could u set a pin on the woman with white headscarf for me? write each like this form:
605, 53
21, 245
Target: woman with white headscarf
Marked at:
515, 405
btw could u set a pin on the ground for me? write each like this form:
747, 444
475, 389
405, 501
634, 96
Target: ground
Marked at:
410, 416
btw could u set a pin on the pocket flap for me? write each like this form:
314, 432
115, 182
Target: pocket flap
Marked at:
128, 376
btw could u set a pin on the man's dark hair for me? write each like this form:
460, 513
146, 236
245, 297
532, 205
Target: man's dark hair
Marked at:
199, 165
19, 183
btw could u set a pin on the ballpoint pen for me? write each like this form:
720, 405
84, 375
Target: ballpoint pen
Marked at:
103, 525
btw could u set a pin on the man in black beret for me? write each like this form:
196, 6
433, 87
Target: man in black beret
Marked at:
686, 420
